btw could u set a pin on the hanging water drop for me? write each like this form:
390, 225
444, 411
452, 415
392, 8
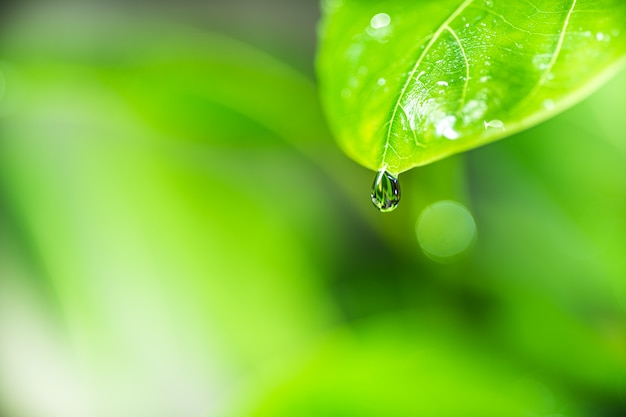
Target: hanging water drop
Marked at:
385, 191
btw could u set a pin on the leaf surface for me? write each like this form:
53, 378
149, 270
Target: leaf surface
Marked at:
406, 83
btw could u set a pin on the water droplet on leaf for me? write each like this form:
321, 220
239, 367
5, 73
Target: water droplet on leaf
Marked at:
385, 191
496, 124
548, 104
542, 61
445, 127
379, 21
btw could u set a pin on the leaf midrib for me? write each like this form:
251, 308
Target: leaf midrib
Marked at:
420, 59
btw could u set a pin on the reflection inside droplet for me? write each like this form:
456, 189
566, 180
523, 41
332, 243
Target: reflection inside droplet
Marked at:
385, 191
445, 229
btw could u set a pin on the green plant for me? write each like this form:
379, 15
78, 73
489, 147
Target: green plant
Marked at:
180, 236
409, 83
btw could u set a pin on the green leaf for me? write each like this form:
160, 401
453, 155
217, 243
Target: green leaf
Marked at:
391, 366
406, 83
149, 239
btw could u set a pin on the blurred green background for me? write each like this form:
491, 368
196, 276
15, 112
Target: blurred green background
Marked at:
180, 236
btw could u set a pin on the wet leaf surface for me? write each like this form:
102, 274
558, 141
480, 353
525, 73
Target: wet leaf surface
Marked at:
407, 83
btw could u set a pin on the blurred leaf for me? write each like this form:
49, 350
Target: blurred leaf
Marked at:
551, 207
400, 365
176, 255
198, 261
409, 83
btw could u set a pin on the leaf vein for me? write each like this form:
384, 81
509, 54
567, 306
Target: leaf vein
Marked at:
406, 114
467, 68
420, 59
555, 55
505, 20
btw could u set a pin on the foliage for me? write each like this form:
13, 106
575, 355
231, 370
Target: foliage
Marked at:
409, 83
181, 237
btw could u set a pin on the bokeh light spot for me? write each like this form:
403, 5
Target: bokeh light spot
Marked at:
445, 229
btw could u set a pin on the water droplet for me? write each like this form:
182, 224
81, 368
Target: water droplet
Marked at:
385, 191
600, 36
445, 127
379, 21
542, 61
382, 81
548, 104
473, 110
442, 83
496, 124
